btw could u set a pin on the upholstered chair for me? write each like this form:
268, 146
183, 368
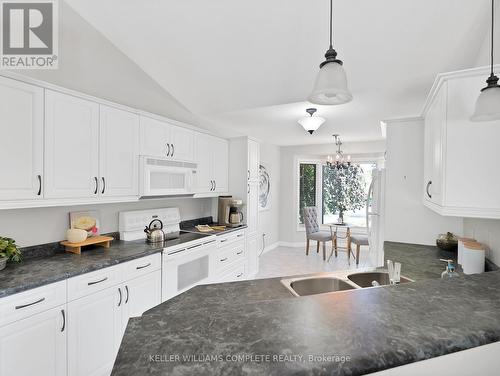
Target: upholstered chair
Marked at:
310, 215
358, 240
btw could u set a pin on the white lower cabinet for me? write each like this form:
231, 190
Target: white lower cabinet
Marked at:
35, 345
141, 294
94, 332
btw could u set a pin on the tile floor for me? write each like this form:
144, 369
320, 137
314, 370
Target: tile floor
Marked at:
286, 261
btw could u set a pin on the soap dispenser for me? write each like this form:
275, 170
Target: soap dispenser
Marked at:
450, 269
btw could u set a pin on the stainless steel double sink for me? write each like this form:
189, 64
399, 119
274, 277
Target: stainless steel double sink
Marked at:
332, 282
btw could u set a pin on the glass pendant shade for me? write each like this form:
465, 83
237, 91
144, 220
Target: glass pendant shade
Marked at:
487, 105
330, 87
311, 123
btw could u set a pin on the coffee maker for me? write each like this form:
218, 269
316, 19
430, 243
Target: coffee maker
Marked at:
229, 211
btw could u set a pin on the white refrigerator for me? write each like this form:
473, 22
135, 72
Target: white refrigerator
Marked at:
375, 210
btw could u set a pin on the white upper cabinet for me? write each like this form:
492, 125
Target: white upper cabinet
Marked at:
435, 122
220, 164
21, 132
461, 157
71, 146
182, 141
160, 139
211, 157
253, 160
118, 152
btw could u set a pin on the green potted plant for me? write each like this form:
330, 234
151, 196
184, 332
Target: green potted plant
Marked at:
9, 252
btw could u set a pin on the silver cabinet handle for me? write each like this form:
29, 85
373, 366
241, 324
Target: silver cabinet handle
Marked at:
96, 282
126, 299
64, 320
39, 177
30, 304
215, 185
96, 185
143, 266
195, 246
239, 275
248, 174
120, 291
239, 235
248, 190
103, 185
224, 259
168, 150
427, 188
223, 240
239, 253
173, 149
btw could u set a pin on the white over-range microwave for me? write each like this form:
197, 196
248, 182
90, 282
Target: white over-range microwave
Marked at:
163, 177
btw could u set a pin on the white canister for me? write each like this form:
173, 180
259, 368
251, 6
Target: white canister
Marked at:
460, 251
473, 258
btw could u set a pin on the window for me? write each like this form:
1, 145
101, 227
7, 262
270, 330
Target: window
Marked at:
316, 188
307, 187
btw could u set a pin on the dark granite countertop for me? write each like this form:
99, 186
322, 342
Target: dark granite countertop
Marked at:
190, 225
39, 271
376, 328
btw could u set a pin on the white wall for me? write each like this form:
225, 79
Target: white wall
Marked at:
90, 63
45, 225
486, 231
288, 190
269, 219
407, 220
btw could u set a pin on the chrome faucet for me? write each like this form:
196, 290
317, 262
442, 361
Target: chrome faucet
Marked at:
449, 272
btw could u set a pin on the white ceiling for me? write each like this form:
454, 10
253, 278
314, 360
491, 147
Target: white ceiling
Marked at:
247, 66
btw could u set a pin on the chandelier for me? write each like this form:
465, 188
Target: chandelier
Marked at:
339, 160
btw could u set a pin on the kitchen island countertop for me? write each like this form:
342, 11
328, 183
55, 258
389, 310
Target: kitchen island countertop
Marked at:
232, 328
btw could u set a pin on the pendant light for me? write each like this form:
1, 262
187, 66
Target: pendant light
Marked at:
311, 123
330, 87
488, 103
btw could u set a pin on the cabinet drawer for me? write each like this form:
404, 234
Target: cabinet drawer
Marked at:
233, 274
90, 283
224, 240
28, 303
230, 254
141, 266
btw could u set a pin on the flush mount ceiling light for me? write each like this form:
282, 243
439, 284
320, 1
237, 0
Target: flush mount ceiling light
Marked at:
311, 123
331, 83
488, 103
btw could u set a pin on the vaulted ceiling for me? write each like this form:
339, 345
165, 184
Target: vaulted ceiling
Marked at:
247, 66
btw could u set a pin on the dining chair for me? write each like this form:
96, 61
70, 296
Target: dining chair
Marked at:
310, 215
358, 240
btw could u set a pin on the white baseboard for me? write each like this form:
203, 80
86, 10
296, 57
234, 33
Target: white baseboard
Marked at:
270, 247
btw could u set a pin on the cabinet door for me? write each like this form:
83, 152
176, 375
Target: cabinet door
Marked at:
35, 345
182, 143
21, 132
252, 208
71, 146
220, 164
253, 160
252, 255
94, 332
154, 138
141, 294
118, 152
435, 123
203, 158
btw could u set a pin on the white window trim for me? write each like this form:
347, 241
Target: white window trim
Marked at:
319, 189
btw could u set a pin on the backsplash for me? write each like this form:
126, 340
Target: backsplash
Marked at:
486, 231
35, 226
